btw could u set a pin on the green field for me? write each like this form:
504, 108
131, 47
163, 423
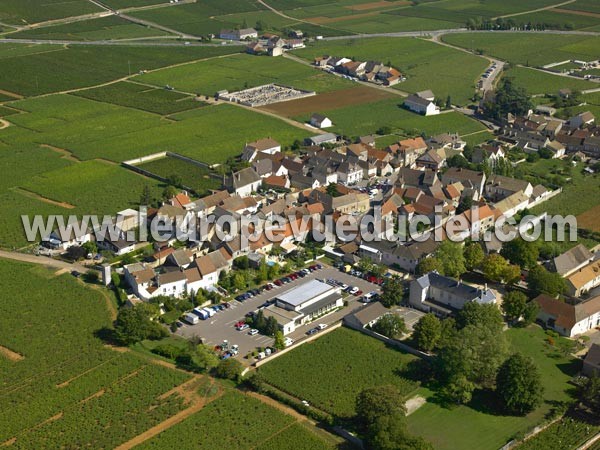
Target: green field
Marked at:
92, 129
132, 3
18, 12
68, 387
35, 73
240, 422
111, 27
367, 118
192, 176
237, 72
475, 426
133, 95
584, 5
202, 18
93, 187
427, 65
529, 48
538, 82
557, 20
344, 362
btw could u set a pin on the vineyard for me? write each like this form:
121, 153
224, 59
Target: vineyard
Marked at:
68, 388
237, 421
332, 370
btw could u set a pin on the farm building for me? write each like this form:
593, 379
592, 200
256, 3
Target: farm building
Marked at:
568, 320
320, 139
238, 35
304, 303
320, 121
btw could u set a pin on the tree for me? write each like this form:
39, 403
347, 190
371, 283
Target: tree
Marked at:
175, 180
486, 315
427, 332
429, 265
392, 292
513, 305
146, 196
459, 390
375, 402
521, 252
530, 313
457, 161
474, 255
589, 394
239, 281
541, 281
390, 325
511, 274
279, 340
262, 274
169, 192
332, 190
365, 264
271, 326
90, 247
494, 267
135, 324
509, 99
448, 102
229, 369
452, 259
389, 433
519, 385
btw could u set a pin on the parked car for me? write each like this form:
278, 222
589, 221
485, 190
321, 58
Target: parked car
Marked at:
354, 290
179, 324
243, 327
322, 326
359, 293
312, 331
253, 332
344, 286
226, 305
278, 282
239, 324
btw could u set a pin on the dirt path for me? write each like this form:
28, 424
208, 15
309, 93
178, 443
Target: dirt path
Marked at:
30, 194
279, 13
42, 260
65, 154
535, 10
11, 94
188, 391
4, 124
275, 404
9, 354
110, 306
576, 12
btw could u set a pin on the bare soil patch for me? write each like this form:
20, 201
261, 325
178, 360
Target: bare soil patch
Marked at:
412, 404
11, 94
576, 12
589, 219
4, 124
375, 5
9, 354
329, 100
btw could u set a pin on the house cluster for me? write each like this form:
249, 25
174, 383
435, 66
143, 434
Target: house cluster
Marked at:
273, 44
535, 132
580, 313
371, 71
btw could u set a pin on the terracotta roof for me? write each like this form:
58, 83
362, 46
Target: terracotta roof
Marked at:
414, 144
315, 208
585, 275
277, 181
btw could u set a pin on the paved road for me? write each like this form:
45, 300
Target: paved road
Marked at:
220, 326
114, 42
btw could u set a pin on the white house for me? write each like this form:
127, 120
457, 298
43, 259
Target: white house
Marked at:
243, 182
566, 319
349, 173
267, 145
320, 121
421, 105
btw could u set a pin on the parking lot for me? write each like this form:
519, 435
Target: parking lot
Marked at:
220, 327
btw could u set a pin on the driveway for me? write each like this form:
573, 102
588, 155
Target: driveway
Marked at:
221, 326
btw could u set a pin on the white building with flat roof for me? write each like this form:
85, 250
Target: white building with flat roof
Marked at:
304, 303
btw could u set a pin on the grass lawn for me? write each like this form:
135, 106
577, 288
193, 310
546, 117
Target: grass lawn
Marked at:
427, 65
241, 71
531, 48
475, 426
538, 82
111, 27
345, 362
367, 118
31, 73
159, 101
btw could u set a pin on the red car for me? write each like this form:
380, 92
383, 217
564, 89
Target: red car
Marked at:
278, 282
239, 324
293, 276
359, 293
